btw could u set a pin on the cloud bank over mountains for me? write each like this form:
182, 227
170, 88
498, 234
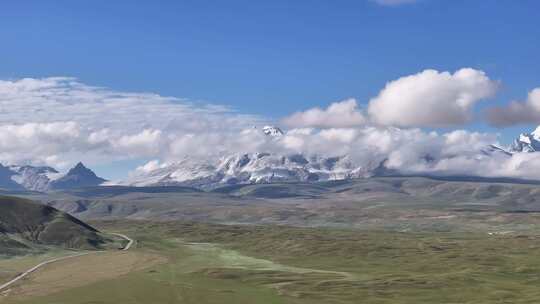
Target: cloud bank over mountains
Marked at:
58, 121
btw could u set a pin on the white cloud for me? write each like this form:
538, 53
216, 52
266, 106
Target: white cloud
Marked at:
58, 121
66, 99
147, 143
517, 112
148, 167
413, 151
410, 151
43, 143
431, 98
460, 140
337, 115
394, 2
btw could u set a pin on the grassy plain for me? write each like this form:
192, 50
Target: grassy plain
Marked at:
209, 263
12, 265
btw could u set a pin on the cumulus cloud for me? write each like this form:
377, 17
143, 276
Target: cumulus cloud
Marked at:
431, 98
337, 115
517, 112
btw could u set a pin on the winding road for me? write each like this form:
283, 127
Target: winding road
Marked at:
130, 241
40, 265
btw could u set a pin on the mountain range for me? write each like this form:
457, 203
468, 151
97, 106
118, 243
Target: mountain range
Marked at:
249, 169
254, 168
44, 178
234, 169
526, 142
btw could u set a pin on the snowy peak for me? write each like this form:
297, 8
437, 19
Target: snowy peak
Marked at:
249, 169
175, 173
527, 142
272, 131
81, 170
34, 178
536, 133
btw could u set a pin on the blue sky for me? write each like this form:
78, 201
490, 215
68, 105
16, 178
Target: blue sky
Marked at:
272, 58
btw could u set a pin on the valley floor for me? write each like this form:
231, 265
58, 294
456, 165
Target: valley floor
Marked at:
179, 262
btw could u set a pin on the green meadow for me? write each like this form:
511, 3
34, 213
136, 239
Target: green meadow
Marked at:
210, 263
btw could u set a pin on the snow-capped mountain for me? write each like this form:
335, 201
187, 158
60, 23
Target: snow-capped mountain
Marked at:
6, 181
46, 178
527, 142
272, 131
250, 168
34, 178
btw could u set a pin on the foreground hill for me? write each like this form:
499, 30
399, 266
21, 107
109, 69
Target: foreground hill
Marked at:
25, 224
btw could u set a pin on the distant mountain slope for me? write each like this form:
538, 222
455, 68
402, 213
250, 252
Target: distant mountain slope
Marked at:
275, 190
24, 223
350, 203
34, 178
6, 180
112, 191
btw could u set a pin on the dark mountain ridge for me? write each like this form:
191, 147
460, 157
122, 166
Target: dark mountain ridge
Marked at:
24, 223
77, 177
